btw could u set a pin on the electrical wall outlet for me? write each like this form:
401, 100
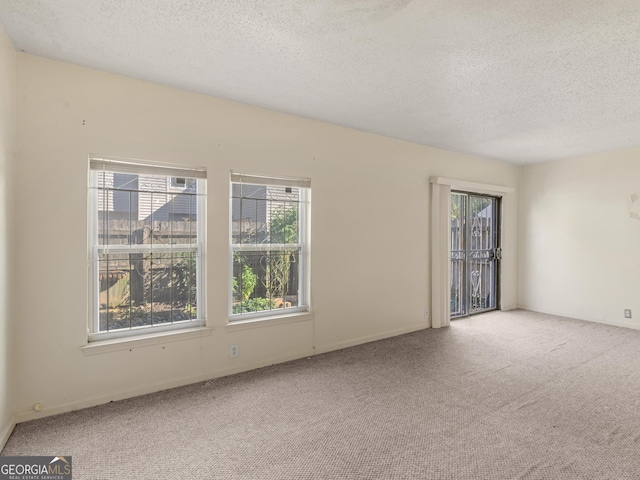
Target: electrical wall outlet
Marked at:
627, 313
426, 313
234, 351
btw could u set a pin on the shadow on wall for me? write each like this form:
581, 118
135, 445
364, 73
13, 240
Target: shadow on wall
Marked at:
634, 206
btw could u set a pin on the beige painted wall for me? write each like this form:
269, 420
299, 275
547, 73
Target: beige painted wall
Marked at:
580, 237
7, 141
370, 225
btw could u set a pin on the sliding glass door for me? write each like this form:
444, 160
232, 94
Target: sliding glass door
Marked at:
475, 253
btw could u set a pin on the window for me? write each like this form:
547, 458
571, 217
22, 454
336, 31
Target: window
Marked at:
183, 183
146, 249
269, 246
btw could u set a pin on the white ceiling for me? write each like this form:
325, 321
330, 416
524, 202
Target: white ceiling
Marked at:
516, 80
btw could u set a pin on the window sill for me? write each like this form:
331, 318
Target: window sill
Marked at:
129, 343
236, 325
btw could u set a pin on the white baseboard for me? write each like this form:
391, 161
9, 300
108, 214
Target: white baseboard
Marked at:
369, 338
152, 388
25, 416
6, 431
506, 308
604, 321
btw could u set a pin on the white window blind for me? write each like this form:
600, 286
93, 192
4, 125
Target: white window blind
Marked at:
273, 181
143, 167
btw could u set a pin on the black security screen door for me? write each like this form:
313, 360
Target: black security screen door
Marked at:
475, 253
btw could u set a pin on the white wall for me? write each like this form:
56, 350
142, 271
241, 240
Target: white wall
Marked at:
370, 273
580, 237
7, 140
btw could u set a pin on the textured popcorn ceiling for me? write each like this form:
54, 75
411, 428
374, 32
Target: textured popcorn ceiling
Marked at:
515, 80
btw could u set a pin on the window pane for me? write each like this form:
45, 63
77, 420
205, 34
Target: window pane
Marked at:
160, 288
265, 280
250, 191
145, 209
145, 289
191, 217
173, 288
249, 213
115, 280
247, 292
265, 214
283, 222
179, 284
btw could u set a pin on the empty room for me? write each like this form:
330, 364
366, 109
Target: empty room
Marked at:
340, 239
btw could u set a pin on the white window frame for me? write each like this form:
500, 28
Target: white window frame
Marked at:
304, 230
141, 167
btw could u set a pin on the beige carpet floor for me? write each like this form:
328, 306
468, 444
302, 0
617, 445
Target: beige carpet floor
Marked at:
504, 395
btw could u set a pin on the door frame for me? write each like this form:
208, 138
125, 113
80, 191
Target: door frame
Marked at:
441, 241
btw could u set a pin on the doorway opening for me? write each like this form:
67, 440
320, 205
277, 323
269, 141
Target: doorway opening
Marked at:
475, 253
